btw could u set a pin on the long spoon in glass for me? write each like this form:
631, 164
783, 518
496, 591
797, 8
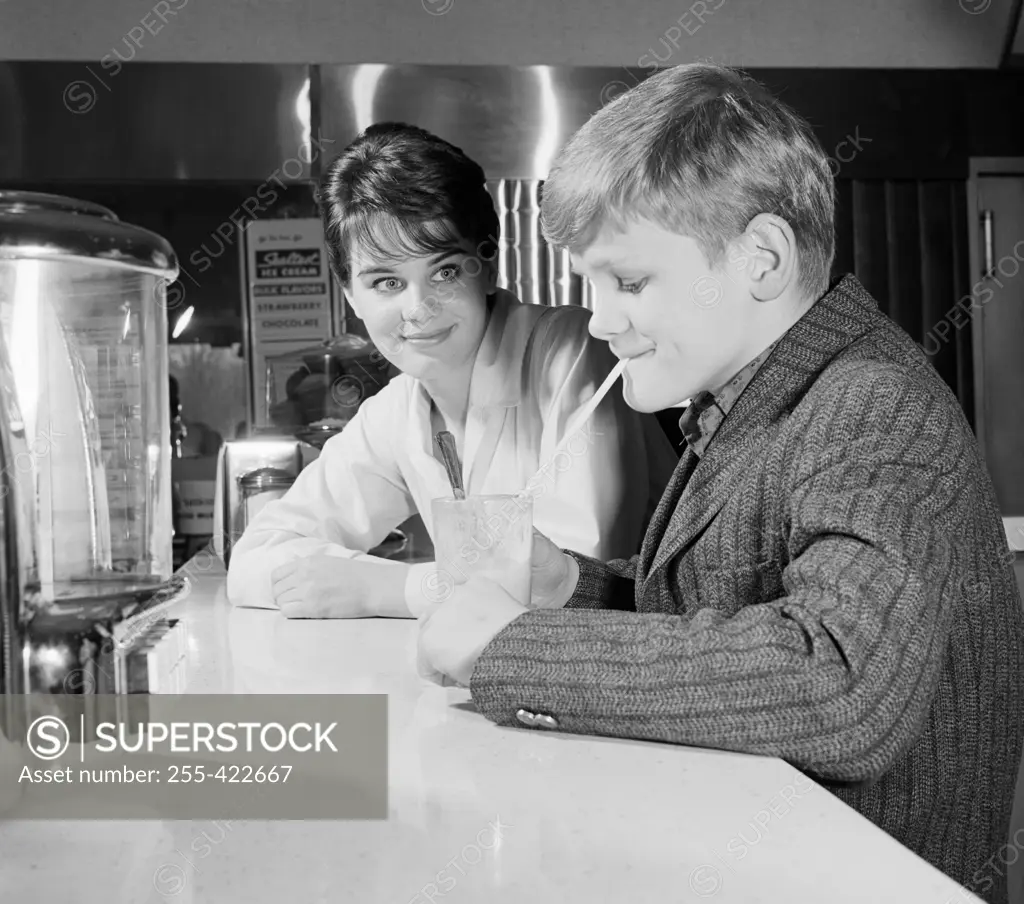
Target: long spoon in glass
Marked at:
446, 443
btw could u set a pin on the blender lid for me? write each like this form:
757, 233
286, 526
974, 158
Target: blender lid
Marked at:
51, 227
20, 201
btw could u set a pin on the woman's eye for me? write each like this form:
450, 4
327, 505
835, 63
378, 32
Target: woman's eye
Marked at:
448, 273
387, 284
633, 288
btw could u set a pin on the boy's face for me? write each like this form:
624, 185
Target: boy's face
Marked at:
684, 326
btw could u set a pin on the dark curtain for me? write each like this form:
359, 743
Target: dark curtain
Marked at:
906, 241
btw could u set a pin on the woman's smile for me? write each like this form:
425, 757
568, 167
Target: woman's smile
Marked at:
434, 337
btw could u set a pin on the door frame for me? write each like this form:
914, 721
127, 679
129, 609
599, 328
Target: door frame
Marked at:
978, 168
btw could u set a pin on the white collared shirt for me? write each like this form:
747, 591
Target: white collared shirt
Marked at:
536, 367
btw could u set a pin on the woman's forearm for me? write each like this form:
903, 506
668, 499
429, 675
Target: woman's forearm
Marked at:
385, 588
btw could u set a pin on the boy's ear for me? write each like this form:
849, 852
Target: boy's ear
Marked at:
768, 256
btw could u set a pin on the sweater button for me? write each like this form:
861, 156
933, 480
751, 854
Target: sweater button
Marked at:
526, 717
546, 721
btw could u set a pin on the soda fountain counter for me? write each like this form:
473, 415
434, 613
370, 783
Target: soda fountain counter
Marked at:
477, 813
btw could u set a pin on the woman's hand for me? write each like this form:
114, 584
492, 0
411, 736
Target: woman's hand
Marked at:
553, 574
321, 586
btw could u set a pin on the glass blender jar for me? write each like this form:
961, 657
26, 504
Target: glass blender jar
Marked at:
83, 338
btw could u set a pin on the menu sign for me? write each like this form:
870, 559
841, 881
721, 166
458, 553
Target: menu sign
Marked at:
287, 265
288, 296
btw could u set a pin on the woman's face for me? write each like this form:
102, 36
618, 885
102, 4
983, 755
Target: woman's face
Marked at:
426, 315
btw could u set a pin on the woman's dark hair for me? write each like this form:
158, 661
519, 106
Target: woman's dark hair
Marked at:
398, 190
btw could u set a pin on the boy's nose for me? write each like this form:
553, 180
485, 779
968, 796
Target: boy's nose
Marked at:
607, 320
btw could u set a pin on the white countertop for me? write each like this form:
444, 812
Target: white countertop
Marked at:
583, 819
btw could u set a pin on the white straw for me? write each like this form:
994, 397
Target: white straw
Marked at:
581, 421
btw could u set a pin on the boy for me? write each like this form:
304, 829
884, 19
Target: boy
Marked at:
826, 578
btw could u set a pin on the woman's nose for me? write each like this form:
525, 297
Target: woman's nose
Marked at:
419, 305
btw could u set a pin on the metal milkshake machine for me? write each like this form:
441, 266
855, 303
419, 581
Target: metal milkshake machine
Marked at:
85, 455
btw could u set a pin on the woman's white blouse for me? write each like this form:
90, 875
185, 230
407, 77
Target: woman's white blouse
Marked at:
537, 366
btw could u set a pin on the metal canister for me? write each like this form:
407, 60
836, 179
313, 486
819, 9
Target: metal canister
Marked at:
243, 458
259, 487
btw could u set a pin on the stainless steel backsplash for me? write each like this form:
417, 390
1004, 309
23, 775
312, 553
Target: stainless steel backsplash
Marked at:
168, 122
528, 266
512, 120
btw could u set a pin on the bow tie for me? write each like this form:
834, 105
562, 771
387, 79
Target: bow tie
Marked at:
689, 423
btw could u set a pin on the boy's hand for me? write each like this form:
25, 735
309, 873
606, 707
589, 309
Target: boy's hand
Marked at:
454, 633
554, 574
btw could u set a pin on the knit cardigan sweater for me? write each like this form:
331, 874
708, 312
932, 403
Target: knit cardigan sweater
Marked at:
829, 583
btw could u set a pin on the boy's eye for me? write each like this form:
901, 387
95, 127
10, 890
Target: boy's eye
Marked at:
633, 288
448, 273
387, 284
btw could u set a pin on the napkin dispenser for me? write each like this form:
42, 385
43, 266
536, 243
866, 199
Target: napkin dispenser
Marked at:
239, 465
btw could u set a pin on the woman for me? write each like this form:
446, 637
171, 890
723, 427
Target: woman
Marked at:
411, 233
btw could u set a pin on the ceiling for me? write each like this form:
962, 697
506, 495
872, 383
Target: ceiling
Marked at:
904, 34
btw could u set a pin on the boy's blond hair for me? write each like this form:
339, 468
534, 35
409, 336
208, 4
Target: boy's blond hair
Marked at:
699, 150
